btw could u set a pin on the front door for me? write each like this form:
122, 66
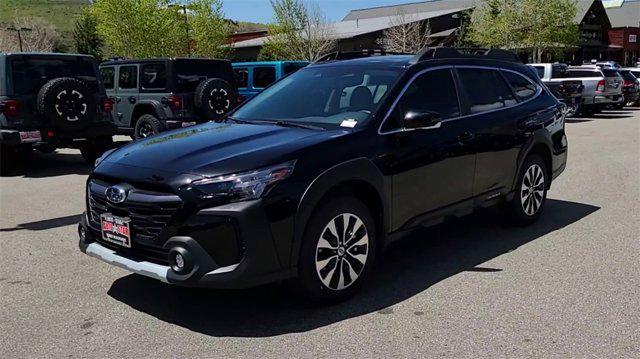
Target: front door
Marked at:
126, 94
431, 168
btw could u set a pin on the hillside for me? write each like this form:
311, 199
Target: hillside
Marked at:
60, 13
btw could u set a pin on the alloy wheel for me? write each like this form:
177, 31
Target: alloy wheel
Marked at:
532, 190
342, 251
145, 130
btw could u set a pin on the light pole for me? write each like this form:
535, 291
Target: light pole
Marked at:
19, 31
186, 24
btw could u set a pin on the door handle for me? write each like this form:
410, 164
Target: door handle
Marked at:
466, 137
132, 100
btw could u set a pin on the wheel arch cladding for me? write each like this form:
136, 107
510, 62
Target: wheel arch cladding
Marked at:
147, 108
359, 178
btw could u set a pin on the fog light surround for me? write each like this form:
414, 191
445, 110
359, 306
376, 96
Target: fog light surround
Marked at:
180, 260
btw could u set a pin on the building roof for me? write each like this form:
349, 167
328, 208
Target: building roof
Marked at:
439, 5
350, 28
626, 14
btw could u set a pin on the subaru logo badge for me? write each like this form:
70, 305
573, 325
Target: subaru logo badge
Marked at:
116, 194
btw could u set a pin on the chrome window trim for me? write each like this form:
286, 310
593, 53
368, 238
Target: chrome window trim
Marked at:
404, 89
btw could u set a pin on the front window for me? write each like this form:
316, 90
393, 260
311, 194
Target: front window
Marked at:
323, 96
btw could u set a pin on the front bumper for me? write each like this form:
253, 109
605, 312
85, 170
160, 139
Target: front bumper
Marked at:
259, 263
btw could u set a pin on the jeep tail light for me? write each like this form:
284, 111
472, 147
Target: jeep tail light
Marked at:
628, 83
10, 107
175, 102
106, 104
601, 85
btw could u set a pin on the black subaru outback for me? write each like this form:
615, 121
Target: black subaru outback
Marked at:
153, 95
49, 101
313, 177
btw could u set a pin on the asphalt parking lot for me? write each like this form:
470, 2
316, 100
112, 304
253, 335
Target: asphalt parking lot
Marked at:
567, 286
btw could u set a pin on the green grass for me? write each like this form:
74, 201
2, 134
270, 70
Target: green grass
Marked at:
60, 13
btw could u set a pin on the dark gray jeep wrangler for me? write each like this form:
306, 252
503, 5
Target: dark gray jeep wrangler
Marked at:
154, 95
48, 101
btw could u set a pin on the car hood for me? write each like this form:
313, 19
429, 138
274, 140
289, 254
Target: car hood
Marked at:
216, 148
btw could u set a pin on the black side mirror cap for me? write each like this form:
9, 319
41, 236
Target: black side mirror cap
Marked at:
416, 120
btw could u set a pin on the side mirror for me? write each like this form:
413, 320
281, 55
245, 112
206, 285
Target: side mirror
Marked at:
415, 120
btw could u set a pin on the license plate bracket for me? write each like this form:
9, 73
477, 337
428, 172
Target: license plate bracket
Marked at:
116, 230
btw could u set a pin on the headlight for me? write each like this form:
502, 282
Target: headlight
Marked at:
101, 158
243, 186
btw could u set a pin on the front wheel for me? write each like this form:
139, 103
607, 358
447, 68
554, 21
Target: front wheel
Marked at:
338, 250
530, 192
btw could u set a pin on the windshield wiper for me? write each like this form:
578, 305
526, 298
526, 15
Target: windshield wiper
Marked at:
277, 123
295, 124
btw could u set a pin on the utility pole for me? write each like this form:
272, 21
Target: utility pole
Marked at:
19, 31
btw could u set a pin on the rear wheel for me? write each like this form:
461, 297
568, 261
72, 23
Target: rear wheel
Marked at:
147, 125
338, 250
530, 192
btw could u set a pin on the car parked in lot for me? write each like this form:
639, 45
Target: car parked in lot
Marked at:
313, 177
253, 77
566, 90
602, 87
631, 86
153, 95
48, 101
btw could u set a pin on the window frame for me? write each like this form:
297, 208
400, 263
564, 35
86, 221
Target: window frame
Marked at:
461, 95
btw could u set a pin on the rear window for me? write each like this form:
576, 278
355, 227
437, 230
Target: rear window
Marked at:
540, 71
189, 73
29, 74
263, 76
486, 90
582, 73
128, 77
291, 68
154, 77
627, 76
610, 73
523, 88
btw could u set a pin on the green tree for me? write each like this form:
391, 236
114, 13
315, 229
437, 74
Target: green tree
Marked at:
210, 30
86, 35
140, 28
300, 31
536, 25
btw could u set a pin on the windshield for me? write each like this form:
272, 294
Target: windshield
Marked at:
323, 96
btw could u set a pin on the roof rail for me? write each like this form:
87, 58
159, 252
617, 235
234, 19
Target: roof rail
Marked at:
348, 55
432, 53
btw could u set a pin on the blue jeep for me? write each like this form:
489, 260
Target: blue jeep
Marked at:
253, 77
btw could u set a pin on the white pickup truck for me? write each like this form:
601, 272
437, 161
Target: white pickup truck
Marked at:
567, 90
601, 88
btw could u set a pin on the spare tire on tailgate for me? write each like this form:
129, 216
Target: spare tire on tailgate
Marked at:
214, 98
67, 103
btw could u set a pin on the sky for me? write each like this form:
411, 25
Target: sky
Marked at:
335, 10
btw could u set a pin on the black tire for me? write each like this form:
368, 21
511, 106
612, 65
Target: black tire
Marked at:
530, 193
214, 98
67, 104
317, 260
619, 106
147, 125
94, 148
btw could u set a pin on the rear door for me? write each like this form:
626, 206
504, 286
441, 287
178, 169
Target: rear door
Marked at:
489, 107
126, 93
